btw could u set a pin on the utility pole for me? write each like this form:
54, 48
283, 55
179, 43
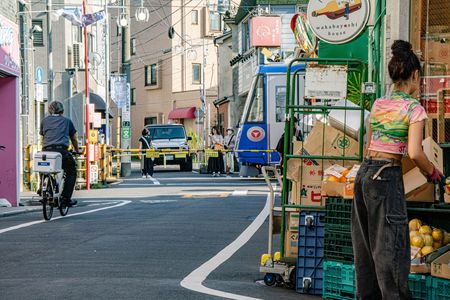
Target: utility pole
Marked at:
106, 59
86, 78
49, 52
125, 162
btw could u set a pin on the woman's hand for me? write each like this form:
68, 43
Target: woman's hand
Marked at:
436, 176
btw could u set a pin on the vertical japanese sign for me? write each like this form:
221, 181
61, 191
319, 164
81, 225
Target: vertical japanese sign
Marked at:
126, 126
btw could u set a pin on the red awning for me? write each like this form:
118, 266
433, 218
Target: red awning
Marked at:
182, 113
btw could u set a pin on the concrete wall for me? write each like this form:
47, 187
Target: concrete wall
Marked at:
9, 9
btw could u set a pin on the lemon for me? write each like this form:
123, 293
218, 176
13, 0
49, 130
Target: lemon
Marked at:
437, 235
417, 241
414, 224
413, 233
446, 238
437, 245
425, 229
427, 240
427, 250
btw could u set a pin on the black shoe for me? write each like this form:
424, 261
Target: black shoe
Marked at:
72, 202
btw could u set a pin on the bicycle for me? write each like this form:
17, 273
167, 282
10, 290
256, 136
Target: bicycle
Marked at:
49, 166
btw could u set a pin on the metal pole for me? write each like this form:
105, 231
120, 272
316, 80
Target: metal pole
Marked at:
49, 52
107, 72
86, 79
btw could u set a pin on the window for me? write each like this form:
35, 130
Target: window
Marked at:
214, 21
150, 120
92, 43
38, 37
256, 112
119, 30
133, 46
194, 17
245, 37
163, 133
280, 102
196, 73
133, 96
151, 75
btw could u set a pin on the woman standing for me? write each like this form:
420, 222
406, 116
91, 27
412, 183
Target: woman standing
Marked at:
146, 163
215, 164
379, 217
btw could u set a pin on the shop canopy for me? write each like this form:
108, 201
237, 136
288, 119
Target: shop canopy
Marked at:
182, 113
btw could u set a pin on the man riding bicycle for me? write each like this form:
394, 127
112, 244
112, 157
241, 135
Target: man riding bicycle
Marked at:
56, 131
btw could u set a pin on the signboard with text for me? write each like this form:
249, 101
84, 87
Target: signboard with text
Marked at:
9, 46
265, 32
338, 21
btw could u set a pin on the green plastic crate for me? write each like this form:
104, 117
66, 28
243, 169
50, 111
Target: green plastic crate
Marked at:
338, 214
420, 286
440, 289
339, 283
338, 246
338, 280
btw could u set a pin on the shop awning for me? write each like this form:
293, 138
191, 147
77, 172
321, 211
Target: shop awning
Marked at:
182, 113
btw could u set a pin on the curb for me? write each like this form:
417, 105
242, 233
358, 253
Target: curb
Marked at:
18, 212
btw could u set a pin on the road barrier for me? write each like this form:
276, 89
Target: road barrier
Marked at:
108, 162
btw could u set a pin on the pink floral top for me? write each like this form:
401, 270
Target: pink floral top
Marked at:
390, 120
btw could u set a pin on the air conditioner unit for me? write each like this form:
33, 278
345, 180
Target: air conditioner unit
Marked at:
69, 58
77, 51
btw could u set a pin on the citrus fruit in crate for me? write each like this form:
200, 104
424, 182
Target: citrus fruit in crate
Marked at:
427, 240
414, 224
417, 241
446, 238
425, 229
413, 233
332, 178
426, 250
437, 245
437, 235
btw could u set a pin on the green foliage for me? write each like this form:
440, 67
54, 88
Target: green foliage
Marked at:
354, 87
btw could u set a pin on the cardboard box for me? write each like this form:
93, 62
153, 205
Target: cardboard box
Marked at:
299, 170
440, 267
291, 244
349, 120
328, 141
307, 193
338, 189
417, 187
446, 198
293, 220
423, 264
437, 51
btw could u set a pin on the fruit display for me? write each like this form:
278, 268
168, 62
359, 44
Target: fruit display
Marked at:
425, 239
337, 173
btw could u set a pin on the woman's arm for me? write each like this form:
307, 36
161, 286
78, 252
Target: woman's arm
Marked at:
369, 139
415, 150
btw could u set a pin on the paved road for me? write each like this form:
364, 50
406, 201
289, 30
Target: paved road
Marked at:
139, 240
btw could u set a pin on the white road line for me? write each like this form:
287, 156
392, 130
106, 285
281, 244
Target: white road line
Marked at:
157, 201
239, 193
123, 202
155, 181
194, 281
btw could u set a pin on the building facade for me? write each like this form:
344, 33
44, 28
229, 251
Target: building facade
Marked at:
174, 67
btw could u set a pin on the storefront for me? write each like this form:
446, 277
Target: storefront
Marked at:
9, 113
430, 36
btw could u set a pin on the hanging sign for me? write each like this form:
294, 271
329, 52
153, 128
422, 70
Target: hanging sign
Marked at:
338, 21
9, 46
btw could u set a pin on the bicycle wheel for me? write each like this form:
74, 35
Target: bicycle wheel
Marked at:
47, 206
63, 207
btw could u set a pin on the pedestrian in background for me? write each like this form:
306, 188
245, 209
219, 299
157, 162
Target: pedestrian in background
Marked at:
380, 232
215, 164
298, 136
146, 162
229, 144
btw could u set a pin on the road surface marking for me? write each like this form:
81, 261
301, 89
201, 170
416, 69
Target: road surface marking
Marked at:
123, 202
155, 181
157, 201
239, 193
100, 202
194, 281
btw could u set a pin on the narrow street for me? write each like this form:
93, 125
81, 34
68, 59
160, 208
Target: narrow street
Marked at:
138, 240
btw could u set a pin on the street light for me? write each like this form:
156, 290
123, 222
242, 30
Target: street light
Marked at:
142, 13
122, 20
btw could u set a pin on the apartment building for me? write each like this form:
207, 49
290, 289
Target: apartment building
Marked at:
173, 61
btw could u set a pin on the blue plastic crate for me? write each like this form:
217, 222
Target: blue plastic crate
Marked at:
310, 252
